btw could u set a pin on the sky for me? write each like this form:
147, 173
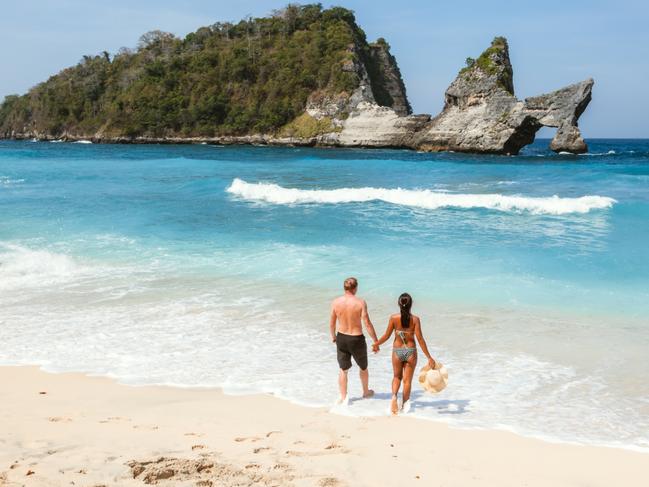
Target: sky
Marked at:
552, 43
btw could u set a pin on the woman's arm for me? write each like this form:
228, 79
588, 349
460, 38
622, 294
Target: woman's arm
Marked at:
422, 344
386, 335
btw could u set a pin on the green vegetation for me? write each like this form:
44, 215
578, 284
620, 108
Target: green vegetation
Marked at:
491, 63
305, 126
226, 79
486, 61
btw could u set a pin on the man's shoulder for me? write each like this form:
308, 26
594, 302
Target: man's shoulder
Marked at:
339, 301
344, 300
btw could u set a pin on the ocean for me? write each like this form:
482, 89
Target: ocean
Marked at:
213, 266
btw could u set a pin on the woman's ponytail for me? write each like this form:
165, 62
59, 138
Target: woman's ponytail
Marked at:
405, 303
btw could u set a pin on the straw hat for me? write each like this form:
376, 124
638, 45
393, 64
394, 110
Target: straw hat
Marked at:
433, 380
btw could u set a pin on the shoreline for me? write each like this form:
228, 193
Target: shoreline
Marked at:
246, 392
255, 140
225, 140
91, 430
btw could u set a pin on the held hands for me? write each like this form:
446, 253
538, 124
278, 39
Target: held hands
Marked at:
375, 347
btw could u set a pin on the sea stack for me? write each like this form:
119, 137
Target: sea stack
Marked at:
482, 114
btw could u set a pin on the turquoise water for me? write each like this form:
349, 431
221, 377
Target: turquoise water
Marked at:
149, 263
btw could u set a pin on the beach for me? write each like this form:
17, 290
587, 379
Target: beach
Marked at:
70, 429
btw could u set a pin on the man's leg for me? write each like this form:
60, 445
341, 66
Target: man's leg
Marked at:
360, 356
342, 385
345, 363
365, 380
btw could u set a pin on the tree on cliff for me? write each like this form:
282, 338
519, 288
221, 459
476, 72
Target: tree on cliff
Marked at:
253, 76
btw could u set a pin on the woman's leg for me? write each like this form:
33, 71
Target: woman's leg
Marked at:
408, 372
397, 367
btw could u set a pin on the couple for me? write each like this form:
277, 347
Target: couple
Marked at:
349, 310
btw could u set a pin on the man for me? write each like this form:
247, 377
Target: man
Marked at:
349, 310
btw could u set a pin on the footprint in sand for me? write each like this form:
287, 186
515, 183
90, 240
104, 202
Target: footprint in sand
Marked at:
329, 482
260, 449
332, 446
59, 419
240, 439
197, 447
151, 427
114, 419
331, 449
270, 433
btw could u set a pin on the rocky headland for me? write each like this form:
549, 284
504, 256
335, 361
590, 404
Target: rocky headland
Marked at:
303, 76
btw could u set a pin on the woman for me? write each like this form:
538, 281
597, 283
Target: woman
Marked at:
404, 351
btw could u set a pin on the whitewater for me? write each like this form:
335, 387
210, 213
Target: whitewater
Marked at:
148, 264
431, 200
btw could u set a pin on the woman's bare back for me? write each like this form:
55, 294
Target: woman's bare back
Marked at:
395, 319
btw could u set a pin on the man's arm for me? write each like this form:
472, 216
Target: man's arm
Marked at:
368, 323
332, 323
385, 337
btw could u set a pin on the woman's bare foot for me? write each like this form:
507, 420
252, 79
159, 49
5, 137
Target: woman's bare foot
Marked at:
342, 401
394, 406
368, 394
406, 406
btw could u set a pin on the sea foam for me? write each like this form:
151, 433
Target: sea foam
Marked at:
422, 198
22, 268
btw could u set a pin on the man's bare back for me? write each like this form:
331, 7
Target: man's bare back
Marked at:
349, 311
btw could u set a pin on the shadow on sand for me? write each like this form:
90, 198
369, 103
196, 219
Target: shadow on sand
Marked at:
420, 400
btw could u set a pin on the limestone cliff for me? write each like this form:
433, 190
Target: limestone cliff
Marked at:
380, 93
481, 114
387, 83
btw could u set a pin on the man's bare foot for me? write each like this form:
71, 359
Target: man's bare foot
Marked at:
344, 401
368, 394
394, 406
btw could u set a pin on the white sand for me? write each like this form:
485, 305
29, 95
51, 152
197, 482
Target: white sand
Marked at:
92, 431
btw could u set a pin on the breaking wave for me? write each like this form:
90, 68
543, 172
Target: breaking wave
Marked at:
553, 205
22, 268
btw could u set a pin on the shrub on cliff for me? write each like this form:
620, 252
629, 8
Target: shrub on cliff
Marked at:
252, 76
